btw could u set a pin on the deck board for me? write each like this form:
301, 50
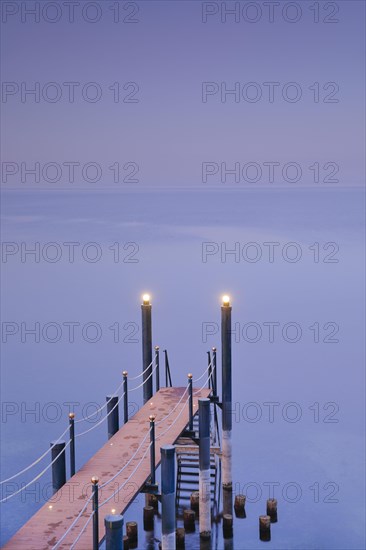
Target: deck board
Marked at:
46, 527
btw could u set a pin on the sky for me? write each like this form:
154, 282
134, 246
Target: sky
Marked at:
143, 94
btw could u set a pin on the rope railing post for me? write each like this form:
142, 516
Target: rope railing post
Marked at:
125, 397
72, 443
146, 348
95, 481
113, 532
112, 414
152, 449
168, 497
190, 402
157, 374
214, 372
58, 460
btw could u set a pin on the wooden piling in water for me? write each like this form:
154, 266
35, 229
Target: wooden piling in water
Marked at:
265, 528
132, 532
195, 501
272, 509
149, 513
239, 506
180, 535
189, 519
227, 526
152, 500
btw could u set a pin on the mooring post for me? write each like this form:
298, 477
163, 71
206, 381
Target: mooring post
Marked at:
227, 500
214, 372
146, 347
125, 397
168, 497
272, 509
58, 460
112, 413
204, 473
157, 365
226, 392
72, 443
113, 532
95, 481
190, 401
265, 528
152, 448
148, 517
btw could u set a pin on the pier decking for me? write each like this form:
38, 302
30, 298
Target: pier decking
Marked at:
49, 524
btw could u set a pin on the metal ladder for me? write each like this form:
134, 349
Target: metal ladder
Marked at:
188, 468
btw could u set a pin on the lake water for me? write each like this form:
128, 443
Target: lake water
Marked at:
295, 277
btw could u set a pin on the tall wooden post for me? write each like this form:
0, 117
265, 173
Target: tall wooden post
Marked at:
146, 347
226, 393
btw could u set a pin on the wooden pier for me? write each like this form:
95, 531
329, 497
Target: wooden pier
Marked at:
45, 529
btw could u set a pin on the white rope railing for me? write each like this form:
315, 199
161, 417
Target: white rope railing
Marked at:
84, 418
73, 523
174, 421
206, 382
127, 463
100, 421
143, 372
142, 442
128, 479
112, 409
82, 531
36, 478
176, 405
204, 372
35, 462
142, 383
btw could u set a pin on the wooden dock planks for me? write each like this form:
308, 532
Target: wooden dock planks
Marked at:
47, 526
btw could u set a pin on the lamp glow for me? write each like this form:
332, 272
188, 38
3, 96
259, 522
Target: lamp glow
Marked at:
226, 300
146, 299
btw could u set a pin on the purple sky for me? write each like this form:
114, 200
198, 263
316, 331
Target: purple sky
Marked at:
169, 52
